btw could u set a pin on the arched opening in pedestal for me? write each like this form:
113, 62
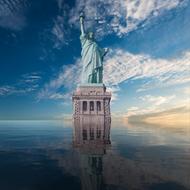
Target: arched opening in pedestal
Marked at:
91, 106
99, 106
84, 106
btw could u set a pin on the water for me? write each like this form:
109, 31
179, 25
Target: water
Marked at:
52, 155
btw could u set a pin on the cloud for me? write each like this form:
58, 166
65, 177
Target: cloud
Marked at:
157, 100
153, 104
113, 90
178, 116
10, 90
67, 78
150, 104
187, 91
59, 96
123, 66
106, 17
30, 78
120, 67
6, 90
26, 84
60, 31
12, 14
121, 16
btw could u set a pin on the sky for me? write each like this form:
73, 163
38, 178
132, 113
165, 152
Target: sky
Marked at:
147, 68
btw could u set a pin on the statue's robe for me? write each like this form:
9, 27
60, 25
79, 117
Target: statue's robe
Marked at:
92, 59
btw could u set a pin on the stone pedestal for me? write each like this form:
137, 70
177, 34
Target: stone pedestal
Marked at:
91, 100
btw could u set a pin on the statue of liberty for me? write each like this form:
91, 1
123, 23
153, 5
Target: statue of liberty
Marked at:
92, 57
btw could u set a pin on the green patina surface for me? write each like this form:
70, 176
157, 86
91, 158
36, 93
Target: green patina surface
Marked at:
92, 57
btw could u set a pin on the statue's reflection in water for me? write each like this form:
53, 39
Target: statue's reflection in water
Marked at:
91, 139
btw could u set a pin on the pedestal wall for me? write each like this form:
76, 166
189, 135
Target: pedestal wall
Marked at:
91, 100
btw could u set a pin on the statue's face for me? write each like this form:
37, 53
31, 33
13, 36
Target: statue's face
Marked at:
91, 35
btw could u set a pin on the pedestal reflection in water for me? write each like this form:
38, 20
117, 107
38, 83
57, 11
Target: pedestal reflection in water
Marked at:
91, 139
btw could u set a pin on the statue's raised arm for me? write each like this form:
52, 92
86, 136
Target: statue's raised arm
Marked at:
82, 23
92, 56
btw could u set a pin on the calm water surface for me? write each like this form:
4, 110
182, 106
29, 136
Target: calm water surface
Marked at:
52, 155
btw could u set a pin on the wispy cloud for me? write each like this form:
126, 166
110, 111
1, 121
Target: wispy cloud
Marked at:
6, 90
61, 86
59, 31
10, 90
30, 78
153, 104
26, 84
157, 100
150, 104
123, 66
121, 16
114, 90
175, 117
187, 91
12, 14
106, 17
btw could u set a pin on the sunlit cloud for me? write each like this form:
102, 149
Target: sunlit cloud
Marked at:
121, 16
154, 105
186, 91
114, 91
157, 100
123, 66
178, 116
150, 104
107, 17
